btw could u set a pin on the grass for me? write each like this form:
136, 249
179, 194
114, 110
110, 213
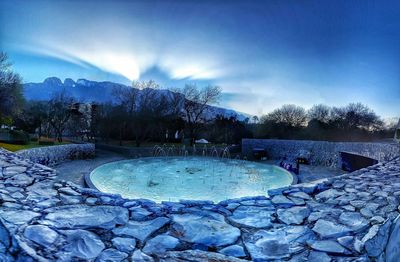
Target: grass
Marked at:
13, 147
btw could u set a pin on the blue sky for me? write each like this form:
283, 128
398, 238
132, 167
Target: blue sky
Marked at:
262, 53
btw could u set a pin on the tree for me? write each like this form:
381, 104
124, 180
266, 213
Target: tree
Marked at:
195, 105
60, 112
11, 96
319, 113
288, 115
33, 117
145, 105
355, 116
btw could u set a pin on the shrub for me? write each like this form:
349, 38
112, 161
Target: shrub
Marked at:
19, 137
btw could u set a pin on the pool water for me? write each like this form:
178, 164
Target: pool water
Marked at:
195, 178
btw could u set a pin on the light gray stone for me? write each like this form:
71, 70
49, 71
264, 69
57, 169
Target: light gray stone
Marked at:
203, 230
139, 256
393, 248
233, 251
316, 256
41, 235
328, 229
354, 221
141, 230
139, 213
376, 239
329, 246
83, 244
252, 216
277, 244
18, 217
328, 194
294, 215
281, 200
111, 255
82, 216
160, 244
20, 180
124, 244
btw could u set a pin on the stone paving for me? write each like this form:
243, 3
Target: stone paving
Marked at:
353, 217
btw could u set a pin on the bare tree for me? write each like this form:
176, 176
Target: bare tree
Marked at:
355, 116
195, 105
60, 112
320, 113
289, 115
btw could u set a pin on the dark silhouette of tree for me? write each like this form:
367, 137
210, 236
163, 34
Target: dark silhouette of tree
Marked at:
59, 112
195, 105
11, 97
319, 113
288, 115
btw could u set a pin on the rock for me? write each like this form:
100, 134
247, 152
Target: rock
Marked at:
124, 244
70, 200
48, 203
315, 256
141, 230
41, 191
160, 244
68, 191
281, 200
82, 216
20, 180
111, 255
41, 235
301, 194
376, 239
197, 256
277, 244
18, 217
392, 248
83, 244
139, 256
358, 203
208, 231
327, 229
12, 170
139, 213
328, 194
349, 208
233, 251
354, 220
91, 200
346, 241
252, 216
329, 246
293, 215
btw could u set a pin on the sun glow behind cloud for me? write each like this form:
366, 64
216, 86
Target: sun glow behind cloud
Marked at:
258, 53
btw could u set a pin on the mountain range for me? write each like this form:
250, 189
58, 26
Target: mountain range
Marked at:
87, 91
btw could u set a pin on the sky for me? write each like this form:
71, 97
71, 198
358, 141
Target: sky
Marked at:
263, 54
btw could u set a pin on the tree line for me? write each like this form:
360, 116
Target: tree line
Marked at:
147, 112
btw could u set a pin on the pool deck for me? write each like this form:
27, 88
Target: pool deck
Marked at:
76, 170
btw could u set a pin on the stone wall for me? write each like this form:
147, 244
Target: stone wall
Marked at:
133, 152
322, 152
353, 217
52, 155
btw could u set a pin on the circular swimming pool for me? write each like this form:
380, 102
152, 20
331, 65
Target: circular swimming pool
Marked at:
196, 178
